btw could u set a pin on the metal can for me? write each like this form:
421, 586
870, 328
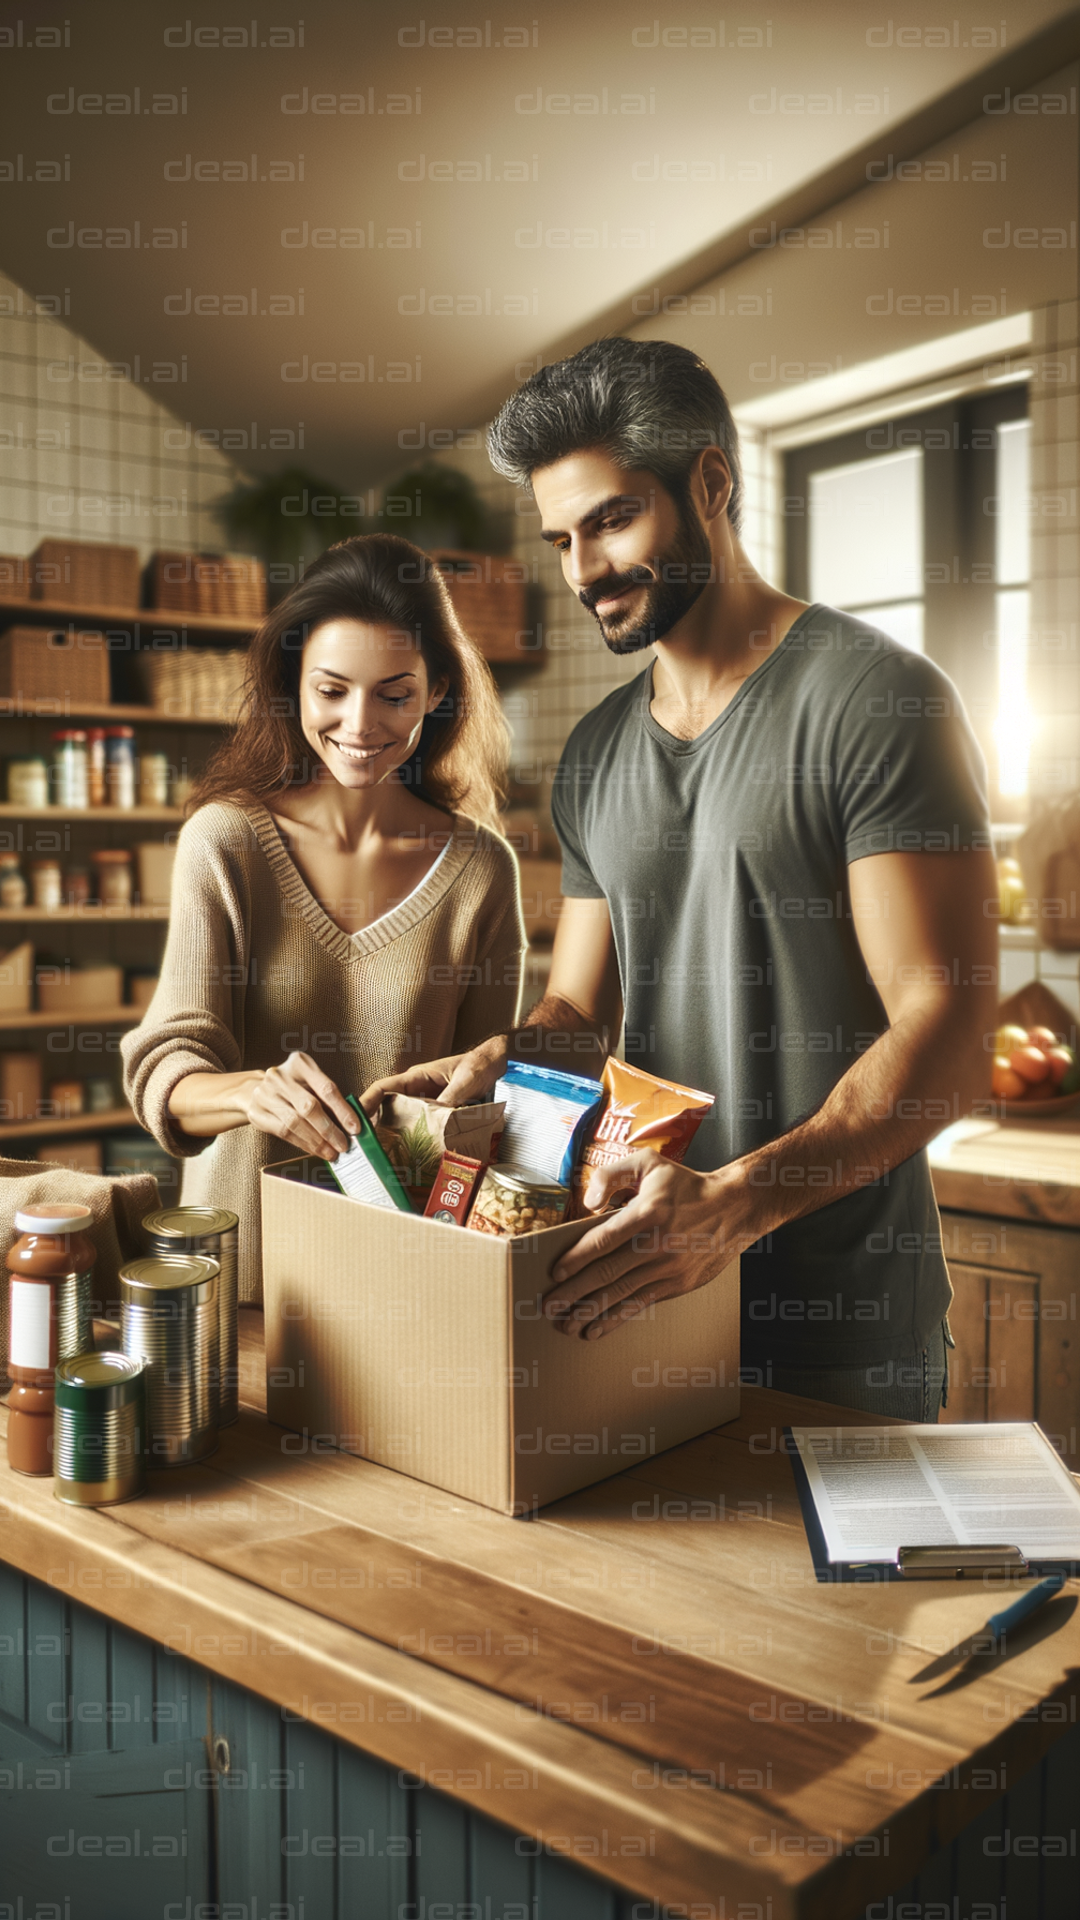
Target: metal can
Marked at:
153, 780
70, 772
100, 1095
28, 781
120, 766
99, 1429
515, 1200
74, 1323
168, 1318
214, 1231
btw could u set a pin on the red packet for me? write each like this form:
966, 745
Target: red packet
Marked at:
454, 1190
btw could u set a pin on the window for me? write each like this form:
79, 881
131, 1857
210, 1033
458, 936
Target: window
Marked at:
920, 526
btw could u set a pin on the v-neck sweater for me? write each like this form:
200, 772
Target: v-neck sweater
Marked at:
255, 969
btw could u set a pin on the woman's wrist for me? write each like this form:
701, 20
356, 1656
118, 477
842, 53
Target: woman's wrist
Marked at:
211, 1103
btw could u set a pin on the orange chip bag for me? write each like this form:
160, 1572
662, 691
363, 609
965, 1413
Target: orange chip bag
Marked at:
640, 1111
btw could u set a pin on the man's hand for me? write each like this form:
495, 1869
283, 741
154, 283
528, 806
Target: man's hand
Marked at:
678, 1232
450, 1081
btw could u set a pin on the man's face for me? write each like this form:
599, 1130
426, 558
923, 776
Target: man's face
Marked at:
633, 559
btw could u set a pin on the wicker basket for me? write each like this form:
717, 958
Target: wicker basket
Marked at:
487, 592
85, 573
233, 584
48, 663
200, 682
15, 577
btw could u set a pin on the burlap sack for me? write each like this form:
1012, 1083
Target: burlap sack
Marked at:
118, 1207
1049, 855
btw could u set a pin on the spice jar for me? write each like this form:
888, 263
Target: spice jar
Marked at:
46, 880
153, 780
28, 781
77, 891
112, 869
12, 883
95, 764
70, 779
100, 1094
50, 1267
66, 1099
120, 766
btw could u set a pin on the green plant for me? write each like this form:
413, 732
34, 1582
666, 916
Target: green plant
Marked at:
290, 516
438, 506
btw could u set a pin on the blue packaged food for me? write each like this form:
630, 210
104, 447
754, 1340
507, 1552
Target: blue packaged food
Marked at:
549, 1117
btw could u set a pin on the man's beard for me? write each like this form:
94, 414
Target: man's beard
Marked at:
684, 571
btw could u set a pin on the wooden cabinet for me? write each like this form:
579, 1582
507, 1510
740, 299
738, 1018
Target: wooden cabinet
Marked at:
1014, 1319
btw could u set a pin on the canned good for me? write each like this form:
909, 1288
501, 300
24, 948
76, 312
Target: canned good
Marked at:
99, 1430
515, 1200
100, 1095
28, 781
213, 1231
153, 780
77, 887
112, 869
66, 1098
95, 766
70, 774
47, 882
12, 881
169, 1319
120, 766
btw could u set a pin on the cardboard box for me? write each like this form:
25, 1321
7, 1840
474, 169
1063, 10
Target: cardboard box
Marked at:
424, 1347
141, 990
20, 1086
61, 989
17, 979
156, 860
54, 663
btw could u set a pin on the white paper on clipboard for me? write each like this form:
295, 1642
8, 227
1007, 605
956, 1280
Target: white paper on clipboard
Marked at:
877, 1489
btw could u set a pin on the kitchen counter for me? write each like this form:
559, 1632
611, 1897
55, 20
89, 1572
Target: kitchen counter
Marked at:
1016, 1170
651, 1660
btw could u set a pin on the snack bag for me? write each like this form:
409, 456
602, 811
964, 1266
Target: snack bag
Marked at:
415, 1134
548, 1115
363, 1171
639, 1111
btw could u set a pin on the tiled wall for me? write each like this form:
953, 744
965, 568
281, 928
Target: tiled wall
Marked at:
93, 450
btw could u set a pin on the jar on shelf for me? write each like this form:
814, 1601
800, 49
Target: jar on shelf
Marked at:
70, 780
12, 881
77, 888
95, 760
120, 766
100, 1095
112, 868
66, 1099
28, 781
153, 780
47, 883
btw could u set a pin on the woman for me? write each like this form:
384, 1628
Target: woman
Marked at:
343, 905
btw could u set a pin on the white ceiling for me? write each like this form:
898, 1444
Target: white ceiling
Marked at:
737, 114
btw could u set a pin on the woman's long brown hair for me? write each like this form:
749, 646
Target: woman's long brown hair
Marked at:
463, 754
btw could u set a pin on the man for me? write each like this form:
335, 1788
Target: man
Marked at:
775, 863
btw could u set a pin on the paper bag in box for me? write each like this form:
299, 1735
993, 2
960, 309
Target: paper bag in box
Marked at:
424, 1347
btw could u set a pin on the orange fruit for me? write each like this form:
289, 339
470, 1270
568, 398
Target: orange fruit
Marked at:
1005, 1084
1042, 1037
1030, 1063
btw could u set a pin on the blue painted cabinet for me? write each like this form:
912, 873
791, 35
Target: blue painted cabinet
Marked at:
136, 1786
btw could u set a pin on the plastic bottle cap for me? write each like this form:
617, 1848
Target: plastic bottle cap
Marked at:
58, 1219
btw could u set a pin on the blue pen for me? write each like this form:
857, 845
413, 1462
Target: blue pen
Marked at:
990, 1639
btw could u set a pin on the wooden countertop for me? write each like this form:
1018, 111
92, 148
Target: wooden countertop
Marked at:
647, 1678
1021, 1169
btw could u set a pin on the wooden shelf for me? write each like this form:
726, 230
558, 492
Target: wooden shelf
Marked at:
81, 1123
50, 613
14, 707
94, 915
77, 1017
9, 810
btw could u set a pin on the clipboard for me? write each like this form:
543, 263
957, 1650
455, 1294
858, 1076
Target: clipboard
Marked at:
913, 1562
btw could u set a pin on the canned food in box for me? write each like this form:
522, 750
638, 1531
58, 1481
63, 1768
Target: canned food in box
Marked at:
514, 1200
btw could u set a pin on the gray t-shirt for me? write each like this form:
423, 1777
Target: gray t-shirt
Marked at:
723, 862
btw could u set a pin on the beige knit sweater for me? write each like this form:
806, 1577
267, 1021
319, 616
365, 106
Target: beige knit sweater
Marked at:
254, 969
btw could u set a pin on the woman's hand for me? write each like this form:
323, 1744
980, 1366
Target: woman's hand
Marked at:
451, 1081
299, 1103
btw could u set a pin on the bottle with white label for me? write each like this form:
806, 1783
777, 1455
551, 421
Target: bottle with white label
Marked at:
53, 1258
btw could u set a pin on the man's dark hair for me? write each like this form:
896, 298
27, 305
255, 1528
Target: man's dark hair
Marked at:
646, 403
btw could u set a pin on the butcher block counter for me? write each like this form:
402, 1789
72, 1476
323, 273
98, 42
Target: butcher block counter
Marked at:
1015, 1169
646, 1680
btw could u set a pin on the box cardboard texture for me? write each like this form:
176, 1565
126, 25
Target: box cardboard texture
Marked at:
424, 1347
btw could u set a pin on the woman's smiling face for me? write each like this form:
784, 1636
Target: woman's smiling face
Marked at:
364, 694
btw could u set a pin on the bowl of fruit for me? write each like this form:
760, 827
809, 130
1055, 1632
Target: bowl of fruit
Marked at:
1035, 1073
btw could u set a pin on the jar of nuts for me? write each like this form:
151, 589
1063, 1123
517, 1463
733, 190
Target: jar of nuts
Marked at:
515, 1200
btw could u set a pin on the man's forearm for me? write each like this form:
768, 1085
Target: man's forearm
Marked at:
917, 1078
558, 1034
